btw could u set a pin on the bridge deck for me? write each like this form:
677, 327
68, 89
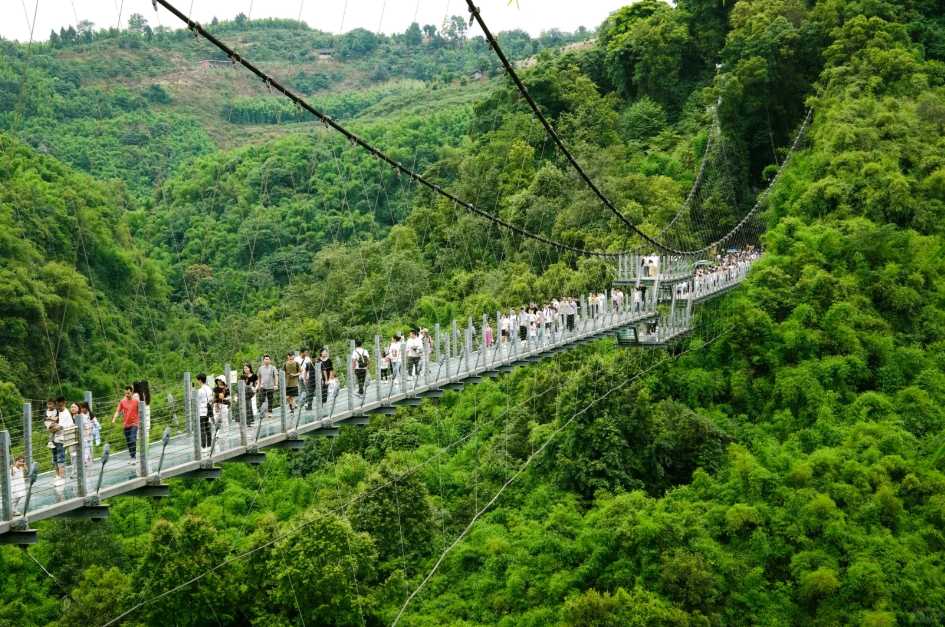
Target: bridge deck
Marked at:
182, 457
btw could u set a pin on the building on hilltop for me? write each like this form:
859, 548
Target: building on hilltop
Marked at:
215, 64
323, 55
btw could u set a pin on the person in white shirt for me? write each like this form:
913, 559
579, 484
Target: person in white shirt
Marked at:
504, 326
393, 351
385, 365
66, 422
204, 411
18, 482
414, 353
572, 312
361, 364
427, 346
266, 385
55, 440
87, 433
522, 324
333, 387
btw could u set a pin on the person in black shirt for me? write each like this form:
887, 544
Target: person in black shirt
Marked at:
221, 402
326, 371
250, 378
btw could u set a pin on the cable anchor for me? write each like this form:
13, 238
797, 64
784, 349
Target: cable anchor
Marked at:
196, 29
154, 4
269, 83
473, 12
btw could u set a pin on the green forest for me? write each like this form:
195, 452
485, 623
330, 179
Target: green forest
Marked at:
790, 472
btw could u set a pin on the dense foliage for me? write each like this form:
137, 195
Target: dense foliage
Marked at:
782, 475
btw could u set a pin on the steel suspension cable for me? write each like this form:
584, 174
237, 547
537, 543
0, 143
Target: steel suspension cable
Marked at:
300, 103
494, 45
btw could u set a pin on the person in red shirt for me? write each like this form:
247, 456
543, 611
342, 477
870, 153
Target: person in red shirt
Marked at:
128, 409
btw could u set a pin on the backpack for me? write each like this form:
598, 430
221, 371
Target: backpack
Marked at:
362, 359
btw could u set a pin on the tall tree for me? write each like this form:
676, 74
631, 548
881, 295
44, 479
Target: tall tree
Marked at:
413, 36
136, 23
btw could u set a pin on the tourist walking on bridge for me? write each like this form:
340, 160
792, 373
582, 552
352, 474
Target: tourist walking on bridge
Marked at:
307, 377
414, 353
128, 410
18, 482
393, 352
87, 432
360, 363
204, 411
268, 381
55, 440
385, 365
427, 347
292, 372
221, 401
70, 435
327, 369
250, 383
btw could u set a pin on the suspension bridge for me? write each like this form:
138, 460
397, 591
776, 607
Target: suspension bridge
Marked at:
650, 304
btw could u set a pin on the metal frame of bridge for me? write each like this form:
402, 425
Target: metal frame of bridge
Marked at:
460, 363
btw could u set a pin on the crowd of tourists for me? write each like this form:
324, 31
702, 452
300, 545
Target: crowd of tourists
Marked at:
71, 448
314, 375
310, 376
728, 265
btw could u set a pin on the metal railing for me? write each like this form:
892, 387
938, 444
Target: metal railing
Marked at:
177, 438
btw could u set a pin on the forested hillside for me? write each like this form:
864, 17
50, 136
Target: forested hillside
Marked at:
788, 473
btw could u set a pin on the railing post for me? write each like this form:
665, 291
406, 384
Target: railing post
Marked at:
582, 317
469, 344
7, 480
513, 335
467, 341
349, 370
439, 349
403, 364
486, 357
426, 364
454, 334
28, 434
377, 367
283, 402
143, 439
318, 390
244, 409
189, 415
80, 463
446, 350
497, 336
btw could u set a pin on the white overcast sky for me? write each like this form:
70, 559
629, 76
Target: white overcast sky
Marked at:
533, 16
